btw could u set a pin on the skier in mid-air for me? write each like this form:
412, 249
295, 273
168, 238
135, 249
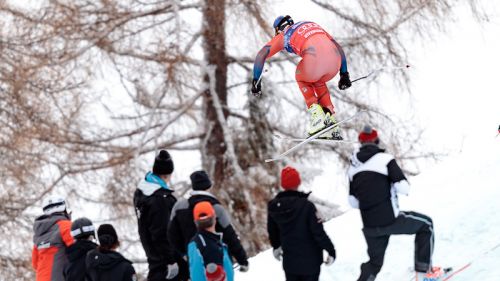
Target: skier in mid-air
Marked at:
322, 59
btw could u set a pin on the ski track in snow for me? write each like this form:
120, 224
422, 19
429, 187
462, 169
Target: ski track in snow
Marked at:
461, 194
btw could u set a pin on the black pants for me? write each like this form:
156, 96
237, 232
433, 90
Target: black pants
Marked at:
377, 239
295, 277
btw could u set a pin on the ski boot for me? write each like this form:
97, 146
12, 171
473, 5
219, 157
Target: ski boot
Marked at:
436, 273
318, 119
333, 134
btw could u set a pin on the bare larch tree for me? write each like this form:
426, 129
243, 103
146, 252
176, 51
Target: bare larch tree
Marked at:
89, 90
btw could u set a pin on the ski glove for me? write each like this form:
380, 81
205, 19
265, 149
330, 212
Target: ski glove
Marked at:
345, 81
173, 270
256, 88
243, 268
329, 260
278, 253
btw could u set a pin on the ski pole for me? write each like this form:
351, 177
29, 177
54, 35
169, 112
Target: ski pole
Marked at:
380, 70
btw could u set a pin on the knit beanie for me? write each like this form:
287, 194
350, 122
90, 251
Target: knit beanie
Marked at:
290, 178
204, 215
368, 135
200, 180
107, 235
163, 164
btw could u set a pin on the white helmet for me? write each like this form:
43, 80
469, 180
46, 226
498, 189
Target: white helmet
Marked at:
54, 204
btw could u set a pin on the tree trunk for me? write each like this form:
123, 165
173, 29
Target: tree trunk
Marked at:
244, 185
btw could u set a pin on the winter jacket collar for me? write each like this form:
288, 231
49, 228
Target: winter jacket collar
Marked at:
44, 223
286, 206
152, 183
365, 152
210, 235
202, 192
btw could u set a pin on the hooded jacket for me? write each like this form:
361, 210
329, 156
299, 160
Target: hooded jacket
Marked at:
153, 201
293, 225
205, 248
105, 265
75, 269
374, 181
182, 228
52, 236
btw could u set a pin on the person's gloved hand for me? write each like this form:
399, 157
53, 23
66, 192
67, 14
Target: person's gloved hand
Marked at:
256, 88
243, 268
345, 81
278, 253
172, 271
329, 260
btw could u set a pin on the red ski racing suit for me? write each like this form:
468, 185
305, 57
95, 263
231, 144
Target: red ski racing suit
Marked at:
322, 58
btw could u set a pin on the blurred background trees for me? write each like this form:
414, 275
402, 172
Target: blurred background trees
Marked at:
90, 90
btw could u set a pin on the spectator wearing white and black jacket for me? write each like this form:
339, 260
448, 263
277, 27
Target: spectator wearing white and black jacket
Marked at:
375, 180
182, 227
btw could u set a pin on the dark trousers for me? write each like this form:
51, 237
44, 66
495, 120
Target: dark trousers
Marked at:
377, 239
295, 277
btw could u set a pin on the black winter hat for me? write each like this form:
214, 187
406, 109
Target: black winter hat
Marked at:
82, 228
200, 180
163, 164
107, 235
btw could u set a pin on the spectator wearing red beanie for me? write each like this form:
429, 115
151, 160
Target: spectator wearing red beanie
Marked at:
368, 135
290, 178
295, 231
375, 180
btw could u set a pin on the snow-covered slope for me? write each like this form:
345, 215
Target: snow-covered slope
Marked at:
461, 194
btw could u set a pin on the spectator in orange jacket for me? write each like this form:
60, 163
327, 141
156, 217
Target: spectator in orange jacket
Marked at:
52, 236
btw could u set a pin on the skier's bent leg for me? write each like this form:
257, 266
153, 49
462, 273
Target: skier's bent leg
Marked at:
307, 91
324, 96
305, 83
376, 251
424, 241
422, 226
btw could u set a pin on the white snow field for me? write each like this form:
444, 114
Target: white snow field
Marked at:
461, 194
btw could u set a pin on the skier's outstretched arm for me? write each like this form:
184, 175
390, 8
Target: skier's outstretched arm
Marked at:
269, 50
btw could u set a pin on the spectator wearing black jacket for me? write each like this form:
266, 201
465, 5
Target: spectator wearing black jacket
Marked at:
83, 231
104, 263
375, 179
295, 231
153, 201
182, 227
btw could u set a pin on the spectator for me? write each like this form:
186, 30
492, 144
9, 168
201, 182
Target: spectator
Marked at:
153, 201
375, 179
104, 263
83, 231
182, 227
208, 256
52, 236
296, 232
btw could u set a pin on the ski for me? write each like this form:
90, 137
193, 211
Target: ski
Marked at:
318, 140
449, 273
311, 138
